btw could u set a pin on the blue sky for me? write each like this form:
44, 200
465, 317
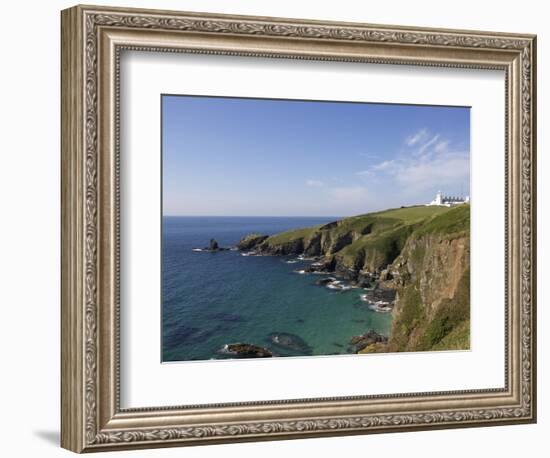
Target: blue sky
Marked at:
259, 157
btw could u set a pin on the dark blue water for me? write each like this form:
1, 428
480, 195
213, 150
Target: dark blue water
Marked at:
212, 299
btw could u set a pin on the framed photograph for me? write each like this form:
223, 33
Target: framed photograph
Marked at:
277, 228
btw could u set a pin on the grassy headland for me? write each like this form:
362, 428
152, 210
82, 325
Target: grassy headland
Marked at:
422, 253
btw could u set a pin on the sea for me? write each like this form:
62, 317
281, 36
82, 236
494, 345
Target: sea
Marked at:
211, 299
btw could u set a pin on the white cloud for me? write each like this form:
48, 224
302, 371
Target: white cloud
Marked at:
427, 162
416, 138
314, 183
385, 165
425, 145
442, 146
445, 171
380, 167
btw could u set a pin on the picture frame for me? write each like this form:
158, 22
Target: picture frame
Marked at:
93, 39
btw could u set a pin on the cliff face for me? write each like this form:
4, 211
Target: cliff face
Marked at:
352, 246
423, 253
432, 307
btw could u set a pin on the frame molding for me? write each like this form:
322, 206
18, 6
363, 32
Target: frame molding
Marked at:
92, 39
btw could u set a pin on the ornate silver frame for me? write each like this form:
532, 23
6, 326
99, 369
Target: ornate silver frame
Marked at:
92, 38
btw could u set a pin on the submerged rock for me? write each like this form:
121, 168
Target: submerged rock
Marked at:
245, 350
292, 342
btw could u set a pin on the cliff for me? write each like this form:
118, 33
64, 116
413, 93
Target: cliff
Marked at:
420, 253
432, 279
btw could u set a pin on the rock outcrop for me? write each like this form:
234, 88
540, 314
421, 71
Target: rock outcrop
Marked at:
369, 338
245, 350
250, 241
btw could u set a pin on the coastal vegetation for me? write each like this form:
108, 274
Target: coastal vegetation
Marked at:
416, 258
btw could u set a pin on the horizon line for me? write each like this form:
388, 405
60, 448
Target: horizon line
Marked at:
295, 216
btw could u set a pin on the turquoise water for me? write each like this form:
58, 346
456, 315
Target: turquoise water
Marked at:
212, 299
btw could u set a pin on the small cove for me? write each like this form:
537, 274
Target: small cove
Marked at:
212, 299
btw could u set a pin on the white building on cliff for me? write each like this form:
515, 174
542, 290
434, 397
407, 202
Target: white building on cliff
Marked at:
448, 201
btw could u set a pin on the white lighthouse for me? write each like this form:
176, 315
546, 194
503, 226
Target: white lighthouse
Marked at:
438, 199
448, 201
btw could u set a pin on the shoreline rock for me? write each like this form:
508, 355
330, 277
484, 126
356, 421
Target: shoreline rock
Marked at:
359, 343
379, 299
246, 350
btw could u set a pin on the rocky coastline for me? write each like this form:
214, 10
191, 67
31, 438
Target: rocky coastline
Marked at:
412, 262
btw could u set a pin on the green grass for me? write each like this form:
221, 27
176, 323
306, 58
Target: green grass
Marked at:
363, 224
370, 223
290, 236
450, 315
455, 221
252, 235
376, 250
411, 214
457, 339
379, 221
374, 240
448, 330
411, 315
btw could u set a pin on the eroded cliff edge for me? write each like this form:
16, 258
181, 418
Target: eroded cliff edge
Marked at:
420, 253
